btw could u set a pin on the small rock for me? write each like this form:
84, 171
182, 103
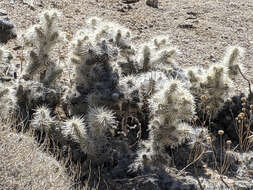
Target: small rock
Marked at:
124, 8
40, 3
192, 13
17, 48
191, 17
224, 37
128, 7
186, 41
12, 2
3, 12
152, 3
186, 26
77, 11
130, 1
121, 9
150, 25
212, 58
30, 3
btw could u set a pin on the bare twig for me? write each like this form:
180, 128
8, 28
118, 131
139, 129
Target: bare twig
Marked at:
243, 76
224, 182
195, 159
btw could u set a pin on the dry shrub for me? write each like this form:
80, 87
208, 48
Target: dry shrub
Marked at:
24, 166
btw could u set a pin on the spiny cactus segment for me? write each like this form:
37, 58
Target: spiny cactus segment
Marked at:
101, 120
232, 62
7, 70
43, 37
214, 85
8, 101
42, 119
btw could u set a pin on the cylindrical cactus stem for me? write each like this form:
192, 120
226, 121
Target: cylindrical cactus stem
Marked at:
231, 60
42, 119
42, 37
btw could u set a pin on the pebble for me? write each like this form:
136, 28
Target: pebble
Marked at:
129, 1
30, 3
192, 13
186, 26
191, 17
152, 3
3, 12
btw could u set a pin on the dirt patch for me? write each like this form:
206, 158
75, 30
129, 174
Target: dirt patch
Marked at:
213, 24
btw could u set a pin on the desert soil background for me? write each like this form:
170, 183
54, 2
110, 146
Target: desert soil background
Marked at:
201, 29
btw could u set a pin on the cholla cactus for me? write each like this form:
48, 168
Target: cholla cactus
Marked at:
92, 138
3, 60
37, 85
246, 163
159, 55
115, 84
31, 94
146, 58
115, 33
195, 76
6, 69
100, 41
100, 121
94, 54
215, 86
76, 129
231, 61
148, 83
172, 102
169, 105
8, 101
128, 85
171, 135
42, 119
218, 84
137, 89
156, 52
183, 133
43, 37
145, 156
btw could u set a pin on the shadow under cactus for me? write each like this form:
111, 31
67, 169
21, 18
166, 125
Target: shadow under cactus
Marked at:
7, 30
